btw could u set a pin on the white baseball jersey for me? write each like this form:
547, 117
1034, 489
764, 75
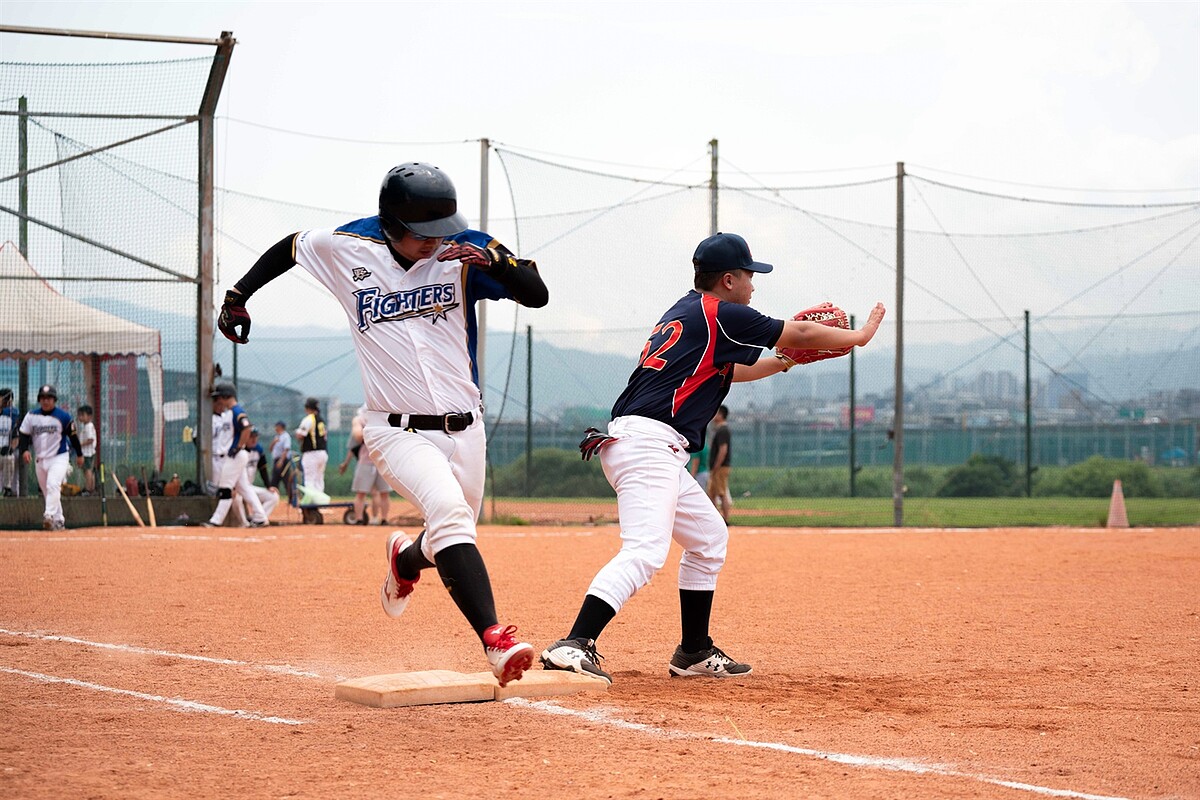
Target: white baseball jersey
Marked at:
222, 432
50, 431
414, 331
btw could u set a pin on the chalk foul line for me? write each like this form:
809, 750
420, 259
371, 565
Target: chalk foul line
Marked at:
602, 717
176, 703
282, 669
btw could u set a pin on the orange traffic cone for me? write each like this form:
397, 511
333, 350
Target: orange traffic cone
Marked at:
1116, 508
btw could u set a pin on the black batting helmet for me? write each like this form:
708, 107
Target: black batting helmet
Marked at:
420, 198
223, 390
6, 395
47, 391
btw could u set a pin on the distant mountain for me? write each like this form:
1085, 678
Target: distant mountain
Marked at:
321, 361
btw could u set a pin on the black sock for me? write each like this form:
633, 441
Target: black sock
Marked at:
594, 614
411, 560
465, 577
695, 608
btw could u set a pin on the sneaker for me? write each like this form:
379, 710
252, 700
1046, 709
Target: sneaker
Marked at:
711, 661
59, 525
508, 657
47, 524
395, 590
575, 655
262, 524
207, 524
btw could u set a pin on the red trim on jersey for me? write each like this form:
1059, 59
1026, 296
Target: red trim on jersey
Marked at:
706, 368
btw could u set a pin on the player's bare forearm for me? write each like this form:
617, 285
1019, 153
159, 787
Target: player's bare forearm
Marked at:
766, 366
804, 335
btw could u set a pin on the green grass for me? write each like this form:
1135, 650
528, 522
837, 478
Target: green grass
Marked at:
946, 512
933, 512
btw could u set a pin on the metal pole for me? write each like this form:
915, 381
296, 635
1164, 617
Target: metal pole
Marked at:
481, 305
898, 413
204, 291
23, 246
23, 181
712, 188
853, 424
1028, 415
528, 410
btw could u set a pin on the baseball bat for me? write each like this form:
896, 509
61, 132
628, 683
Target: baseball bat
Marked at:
103, 499
149, 502
128, 502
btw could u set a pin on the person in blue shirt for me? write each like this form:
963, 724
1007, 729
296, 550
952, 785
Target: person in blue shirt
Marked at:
10, 419
50, 433
707, 340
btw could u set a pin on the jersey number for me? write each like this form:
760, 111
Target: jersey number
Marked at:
673, 329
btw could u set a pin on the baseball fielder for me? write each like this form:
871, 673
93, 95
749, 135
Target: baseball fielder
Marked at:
230, 437
50, 431
408, 280
708, 339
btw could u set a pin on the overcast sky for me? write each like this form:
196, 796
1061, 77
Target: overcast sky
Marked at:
1104, 95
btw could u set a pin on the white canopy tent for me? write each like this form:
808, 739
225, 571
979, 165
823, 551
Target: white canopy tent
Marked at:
40, 323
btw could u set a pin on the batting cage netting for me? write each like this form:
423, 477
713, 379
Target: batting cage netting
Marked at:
1042, 328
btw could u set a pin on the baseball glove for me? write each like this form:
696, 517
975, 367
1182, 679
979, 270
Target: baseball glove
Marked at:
826, 314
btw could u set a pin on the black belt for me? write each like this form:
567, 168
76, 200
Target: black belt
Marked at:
450, 423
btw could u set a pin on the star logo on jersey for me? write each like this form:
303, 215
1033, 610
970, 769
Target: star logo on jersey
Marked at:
360, 274
434, 302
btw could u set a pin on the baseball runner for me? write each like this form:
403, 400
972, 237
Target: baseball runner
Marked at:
10, 421
231, 434
708, 339
408, 280
256, 462
50, 431
314, 446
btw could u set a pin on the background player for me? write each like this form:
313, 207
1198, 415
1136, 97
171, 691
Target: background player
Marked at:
708, 339
366, 481
256, 461
50, 431
230, 437
408, 280
314, 446
10, 420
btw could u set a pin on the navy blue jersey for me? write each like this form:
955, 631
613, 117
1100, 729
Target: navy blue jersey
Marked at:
240, 423
686, 366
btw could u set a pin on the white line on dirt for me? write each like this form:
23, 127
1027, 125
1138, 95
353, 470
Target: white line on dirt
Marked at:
282, 669
603, 717
180, 537
175, 703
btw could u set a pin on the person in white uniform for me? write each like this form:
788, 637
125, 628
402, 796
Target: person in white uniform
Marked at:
50, 433
408, 280
256, 462
230, 438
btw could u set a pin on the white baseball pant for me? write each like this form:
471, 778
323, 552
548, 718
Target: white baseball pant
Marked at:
51, 472
8, 473
266, 498
657, 500
440, 473
234, 478
313, 463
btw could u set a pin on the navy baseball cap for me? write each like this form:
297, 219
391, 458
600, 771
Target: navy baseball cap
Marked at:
724, 252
